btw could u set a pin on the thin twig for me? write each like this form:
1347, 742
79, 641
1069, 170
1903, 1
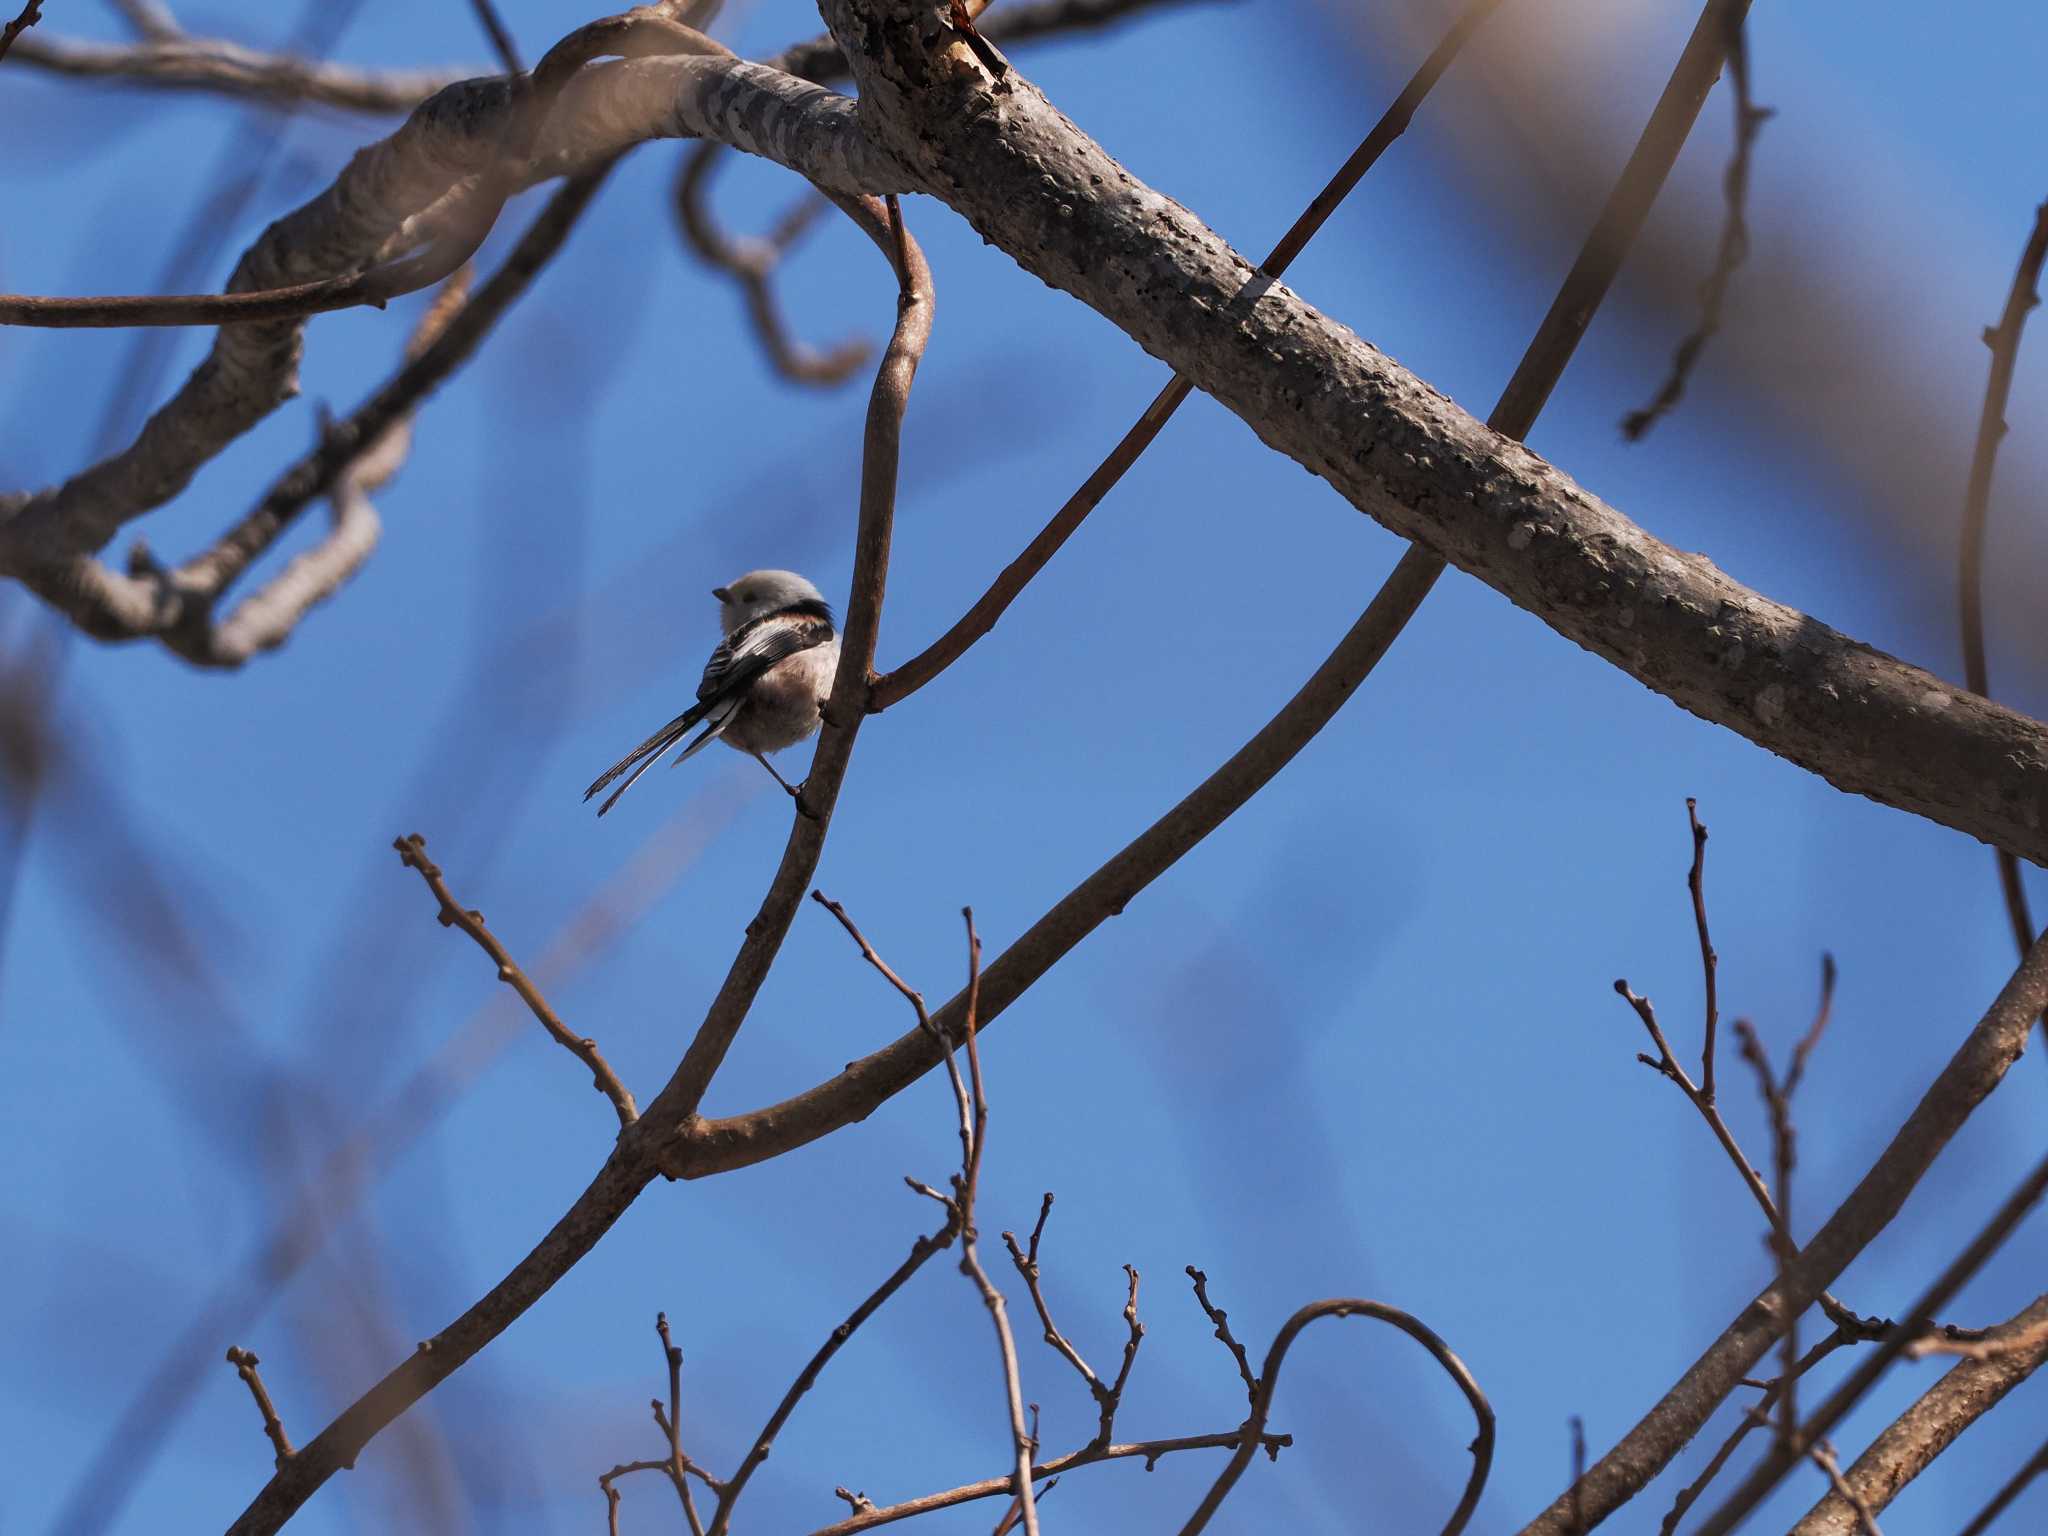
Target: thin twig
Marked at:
412, 852
1709, 961
1269, 1377
1221, 1320
29, 16
1150, 1452
501, 37
1919, 1323
2014, 1487
1578, 1471
245, 1367
2004, 342
1994, 1348
970, 1258
1734, 245
752, 264
1754, 1417
764, 1442
1785, 1158
1823, 1455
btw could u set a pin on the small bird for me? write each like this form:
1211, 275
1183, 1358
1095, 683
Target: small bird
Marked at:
764, 687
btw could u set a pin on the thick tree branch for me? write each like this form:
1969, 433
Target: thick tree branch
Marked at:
1030, 181
1910, 1442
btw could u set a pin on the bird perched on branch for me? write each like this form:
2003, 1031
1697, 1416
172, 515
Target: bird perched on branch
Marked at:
764, 687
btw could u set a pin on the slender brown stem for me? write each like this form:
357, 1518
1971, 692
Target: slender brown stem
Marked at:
1823, 1456
245, 1367
1269, 1377
2004, 341
412, 852
1220, 1322
1709, 961
1981, 1522
30, 14
499, 34
1757, 1415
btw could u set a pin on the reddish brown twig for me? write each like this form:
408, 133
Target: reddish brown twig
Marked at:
752, 264
1269, 1378
412, 852
1107, 1395
2004, 341
1754, 1417
1709, 961
677, 1465
1785, 1158
970, 1259
1221, 1320
245, 1367
895, 686
1734, 244
29, 16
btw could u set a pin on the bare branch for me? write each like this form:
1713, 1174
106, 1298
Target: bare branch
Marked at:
500, 36
752, 263
1709, 961
1911, 1442
412, 852
2014, 1487
245, 1367
713, 1146
1147, 1451
1823, 1456
1780, 1458
1221, 1320
635, 1159
1269, 1377
30, 14
1734, 246
2004, 341
1107, 1396
893, 687
970, 1259
1977, 1067
215, 66
764, 1442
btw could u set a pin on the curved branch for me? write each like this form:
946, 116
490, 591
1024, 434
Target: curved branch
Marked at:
222, 68
632, 1164
1269, 1378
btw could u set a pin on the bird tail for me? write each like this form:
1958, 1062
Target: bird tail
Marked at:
644, 756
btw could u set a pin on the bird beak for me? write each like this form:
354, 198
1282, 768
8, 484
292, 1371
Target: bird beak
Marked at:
721, 594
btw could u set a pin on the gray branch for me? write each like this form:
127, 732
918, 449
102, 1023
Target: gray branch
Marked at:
1032, 183
221, 68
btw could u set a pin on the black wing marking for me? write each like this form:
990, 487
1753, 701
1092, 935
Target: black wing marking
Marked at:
739, 659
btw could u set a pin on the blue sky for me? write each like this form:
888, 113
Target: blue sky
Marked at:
1362, 1041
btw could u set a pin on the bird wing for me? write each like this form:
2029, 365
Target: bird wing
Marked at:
739, 659
752, 649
